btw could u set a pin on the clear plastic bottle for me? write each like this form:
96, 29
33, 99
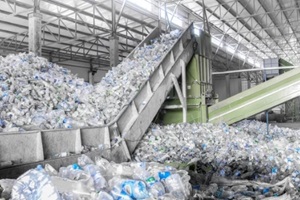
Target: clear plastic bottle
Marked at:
173, 184
50, 170
118, 193
212, 189
224, 194
84, 160
99, 181
156, 187
104, 196
128, 189
75, 172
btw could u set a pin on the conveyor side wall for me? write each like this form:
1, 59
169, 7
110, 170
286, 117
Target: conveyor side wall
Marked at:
257, 99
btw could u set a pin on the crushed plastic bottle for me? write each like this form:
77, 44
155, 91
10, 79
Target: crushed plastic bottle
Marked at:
94, 171
75, 172
155, 187
103, 196
173, 184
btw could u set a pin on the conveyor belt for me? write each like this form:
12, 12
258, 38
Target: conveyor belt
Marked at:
27, 149
257, 99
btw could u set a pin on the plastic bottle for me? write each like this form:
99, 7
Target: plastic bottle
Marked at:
34, 184
104, 196
128, 189
67, 123
84, 160
173, 184
212, 189
69, 196
135, 189
121, 170
118, 193
274, 174
99, 181
156, 187
75, 172
71, 172
50, 170
224, 194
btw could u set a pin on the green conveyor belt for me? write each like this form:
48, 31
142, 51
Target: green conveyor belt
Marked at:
257, 99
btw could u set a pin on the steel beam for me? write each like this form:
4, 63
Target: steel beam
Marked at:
34, 29
114, 40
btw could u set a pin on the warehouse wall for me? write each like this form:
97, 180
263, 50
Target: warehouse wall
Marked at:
245, 84
235, 86
82, 70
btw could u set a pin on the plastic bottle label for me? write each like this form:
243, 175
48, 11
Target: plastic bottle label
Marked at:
151, 180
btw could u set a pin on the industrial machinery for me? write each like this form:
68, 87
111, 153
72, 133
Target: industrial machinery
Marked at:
186, 59
20, 152
197, 85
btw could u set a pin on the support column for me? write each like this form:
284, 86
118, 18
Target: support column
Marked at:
34, 30
158, 14
92, 72
227, 77
181, 98
183, 88
114, 40
114, 50
248, 80
240, 88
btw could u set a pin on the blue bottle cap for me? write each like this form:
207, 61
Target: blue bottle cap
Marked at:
76, 166
164, 175
39, 167
265, 190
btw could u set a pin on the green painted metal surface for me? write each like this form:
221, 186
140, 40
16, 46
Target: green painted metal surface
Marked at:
175, 116
193, 78
194, 108
198, 81
257, 99
283, 62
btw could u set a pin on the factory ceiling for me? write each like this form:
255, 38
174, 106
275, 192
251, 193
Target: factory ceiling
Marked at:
244, 32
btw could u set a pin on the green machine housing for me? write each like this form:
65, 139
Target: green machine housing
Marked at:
199, 88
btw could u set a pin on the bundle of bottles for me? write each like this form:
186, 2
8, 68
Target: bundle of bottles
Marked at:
99, 180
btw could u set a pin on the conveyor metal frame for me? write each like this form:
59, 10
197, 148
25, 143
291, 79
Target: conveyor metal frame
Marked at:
31, 148
257, 99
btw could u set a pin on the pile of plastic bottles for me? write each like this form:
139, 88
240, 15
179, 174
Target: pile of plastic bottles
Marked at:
100, 180
244, 151
35, 93
222, 188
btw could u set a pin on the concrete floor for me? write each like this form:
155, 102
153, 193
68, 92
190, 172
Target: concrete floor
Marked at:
291, 125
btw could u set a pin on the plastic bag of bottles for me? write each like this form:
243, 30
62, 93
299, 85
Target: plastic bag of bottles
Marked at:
34, 184
89, 180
